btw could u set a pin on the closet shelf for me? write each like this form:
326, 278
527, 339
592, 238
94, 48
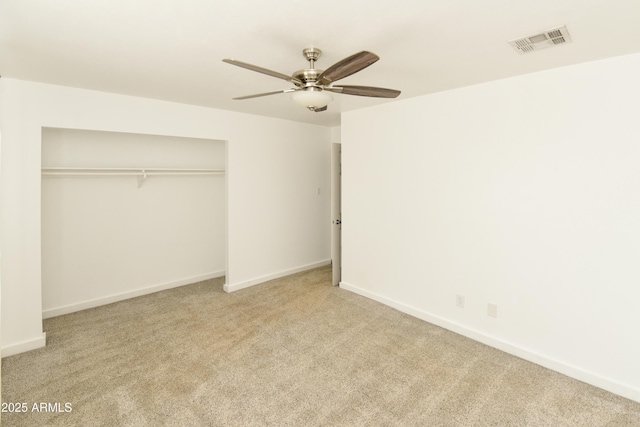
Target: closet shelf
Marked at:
141, 173
126, 171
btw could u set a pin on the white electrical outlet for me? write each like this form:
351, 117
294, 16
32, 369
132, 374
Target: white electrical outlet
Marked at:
492, 310
460, 301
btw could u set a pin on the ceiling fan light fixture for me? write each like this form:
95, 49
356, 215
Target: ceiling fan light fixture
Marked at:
311, 98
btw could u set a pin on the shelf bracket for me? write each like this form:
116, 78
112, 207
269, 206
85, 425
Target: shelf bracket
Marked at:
142, 178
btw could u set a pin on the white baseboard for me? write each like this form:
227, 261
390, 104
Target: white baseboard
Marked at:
564, 368
237, 286
83, 305
23, 346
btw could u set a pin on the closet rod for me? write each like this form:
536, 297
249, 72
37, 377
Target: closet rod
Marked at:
148, 173
126, 171
140, 173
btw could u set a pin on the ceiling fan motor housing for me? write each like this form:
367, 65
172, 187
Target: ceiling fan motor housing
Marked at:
308, 76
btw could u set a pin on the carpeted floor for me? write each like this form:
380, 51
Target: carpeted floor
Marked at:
292, 352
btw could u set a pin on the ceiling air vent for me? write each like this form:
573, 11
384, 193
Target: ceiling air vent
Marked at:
545, 39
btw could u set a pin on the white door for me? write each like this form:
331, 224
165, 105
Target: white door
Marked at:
336, 212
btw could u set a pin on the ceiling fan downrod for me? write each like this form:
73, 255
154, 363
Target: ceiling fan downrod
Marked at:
309, 76
312, 54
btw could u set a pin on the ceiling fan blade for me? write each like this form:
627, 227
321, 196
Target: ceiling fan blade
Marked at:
376, 92
263, 71
257, 95
347, 66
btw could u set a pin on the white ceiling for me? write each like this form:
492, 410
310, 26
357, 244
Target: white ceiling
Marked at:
173, 49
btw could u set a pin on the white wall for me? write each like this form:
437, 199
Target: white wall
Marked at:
105, 239
276, 222
336, 135
524, 193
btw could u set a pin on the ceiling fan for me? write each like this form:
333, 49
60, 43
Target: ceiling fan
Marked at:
312, 84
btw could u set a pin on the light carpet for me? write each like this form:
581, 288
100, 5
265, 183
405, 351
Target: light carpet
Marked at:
291, 352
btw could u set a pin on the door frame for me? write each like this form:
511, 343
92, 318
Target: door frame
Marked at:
336, 213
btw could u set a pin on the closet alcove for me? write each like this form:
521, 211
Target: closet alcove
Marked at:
127, 214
